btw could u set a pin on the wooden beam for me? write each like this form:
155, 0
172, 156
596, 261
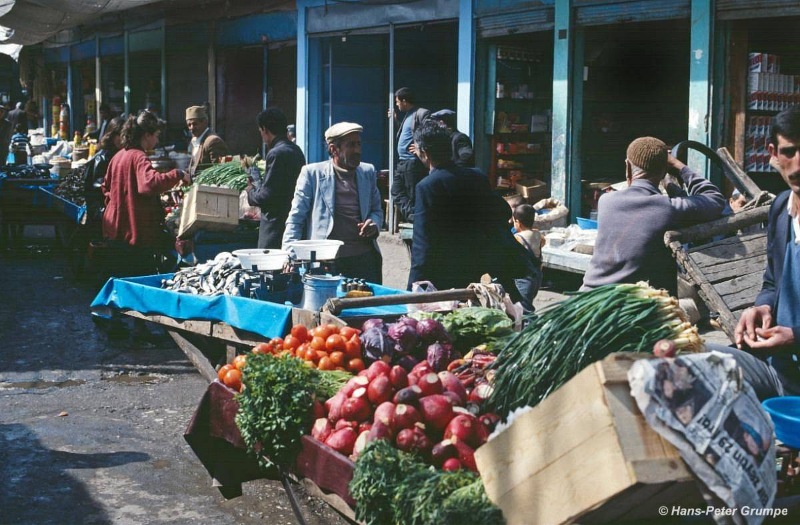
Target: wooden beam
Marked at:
195, 355
336, 305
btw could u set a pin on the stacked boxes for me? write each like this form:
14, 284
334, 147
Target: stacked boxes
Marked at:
768, 89
756, 140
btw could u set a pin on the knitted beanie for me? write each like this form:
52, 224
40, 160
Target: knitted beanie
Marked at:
650, 154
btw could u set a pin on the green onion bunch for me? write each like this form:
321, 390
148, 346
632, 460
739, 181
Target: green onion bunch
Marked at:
225, 175
584, 328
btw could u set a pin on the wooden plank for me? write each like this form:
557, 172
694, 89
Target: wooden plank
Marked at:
730, 269
740, 251
189, 325
195, 355
337, 305
740, 179
723, 226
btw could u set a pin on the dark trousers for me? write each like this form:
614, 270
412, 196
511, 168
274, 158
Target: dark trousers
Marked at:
368, 266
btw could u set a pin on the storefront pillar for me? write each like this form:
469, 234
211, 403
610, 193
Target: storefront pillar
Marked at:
126, 54
700, 73
70, 92
301, 118
98, 85
564, 188
466, 74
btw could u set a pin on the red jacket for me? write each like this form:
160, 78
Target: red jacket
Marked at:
132, 188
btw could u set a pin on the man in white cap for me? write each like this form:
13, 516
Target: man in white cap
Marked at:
339, 199
207, 146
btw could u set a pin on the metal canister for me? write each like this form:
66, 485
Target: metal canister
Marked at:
317, 289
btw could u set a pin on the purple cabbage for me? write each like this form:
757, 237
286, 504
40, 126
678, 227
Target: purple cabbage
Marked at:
376, 345
373, 323
404, 335
439, 355
410, 321
432, 331
407, 362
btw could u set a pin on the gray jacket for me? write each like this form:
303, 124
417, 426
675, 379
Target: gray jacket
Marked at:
631, 226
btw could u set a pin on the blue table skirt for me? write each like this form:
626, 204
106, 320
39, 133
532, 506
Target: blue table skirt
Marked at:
145, 295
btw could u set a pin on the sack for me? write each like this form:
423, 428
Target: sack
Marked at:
246, 211
441, 306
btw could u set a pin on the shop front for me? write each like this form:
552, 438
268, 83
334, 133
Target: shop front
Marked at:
761, 77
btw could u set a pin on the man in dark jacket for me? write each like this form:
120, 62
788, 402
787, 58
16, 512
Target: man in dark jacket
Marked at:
632, 222
273, 193
460, 225
768, 334
463, 154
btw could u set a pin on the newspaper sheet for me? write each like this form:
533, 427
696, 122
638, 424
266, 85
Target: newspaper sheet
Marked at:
701, 404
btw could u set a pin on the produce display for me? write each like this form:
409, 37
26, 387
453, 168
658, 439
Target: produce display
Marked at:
225, 175
71, 186
26, 171
394, 487
428, 390
563, 339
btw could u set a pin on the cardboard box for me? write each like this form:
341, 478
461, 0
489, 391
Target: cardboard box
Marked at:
209, 208
533, 190
585, 454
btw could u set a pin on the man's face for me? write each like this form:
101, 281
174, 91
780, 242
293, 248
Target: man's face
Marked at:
348, 154
402, 105
197, 126
785, 157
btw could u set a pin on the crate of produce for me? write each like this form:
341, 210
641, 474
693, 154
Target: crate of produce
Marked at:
209, 208
73, 211
585, 454
532, 189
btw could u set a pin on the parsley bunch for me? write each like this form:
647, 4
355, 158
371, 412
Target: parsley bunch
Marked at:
275, 407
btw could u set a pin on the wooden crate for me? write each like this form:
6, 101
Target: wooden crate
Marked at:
209, 208
533, 190
585, 454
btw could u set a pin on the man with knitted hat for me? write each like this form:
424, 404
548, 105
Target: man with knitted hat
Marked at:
631, 223
207, 146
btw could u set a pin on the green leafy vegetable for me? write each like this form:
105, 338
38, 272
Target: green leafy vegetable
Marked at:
330, 382
275, 407
473, 326
566, 337
224, 175
394, 487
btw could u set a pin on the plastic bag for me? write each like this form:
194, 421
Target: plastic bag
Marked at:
246, 211
440, 306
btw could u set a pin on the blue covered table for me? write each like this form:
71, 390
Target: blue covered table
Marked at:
202, 325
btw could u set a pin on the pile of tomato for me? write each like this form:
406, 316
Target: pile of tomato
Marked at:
326, 347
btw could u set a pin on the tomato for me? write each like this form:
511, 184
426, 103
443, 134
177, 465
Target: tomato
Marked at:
300, 332
291, 342
224, 370
263, 348
240, 361
348, 332
335, 343
233, 379
322, 331
325, 364
352, 348
337, 358
355, 365
276, 342
334, 329
318, 343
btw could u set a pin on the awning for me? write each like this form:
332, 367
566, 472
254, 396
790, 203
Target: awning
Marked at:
28, 22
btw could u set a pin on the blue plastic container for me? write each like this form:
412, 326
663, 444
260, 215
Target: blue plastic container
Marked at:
587, 224
785, 414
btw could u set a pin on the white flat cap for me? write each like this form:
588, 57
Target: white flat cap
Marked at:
340, 129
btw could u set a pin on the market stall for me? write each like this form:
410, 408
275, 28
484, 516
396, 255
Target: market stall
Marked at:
577, 442
21, 203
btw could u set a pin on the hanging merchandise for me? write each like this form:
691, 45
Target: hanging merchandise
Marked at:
64, 122
55, 116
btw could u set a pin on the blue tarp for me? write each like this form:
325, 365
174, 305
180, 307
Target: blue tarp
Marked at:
145, 295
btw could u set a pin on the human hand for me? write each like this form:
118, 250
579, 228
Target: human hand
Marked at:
186, 178
391, 113
412, 148
367, 229
756, 317
674, 166
770, 338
